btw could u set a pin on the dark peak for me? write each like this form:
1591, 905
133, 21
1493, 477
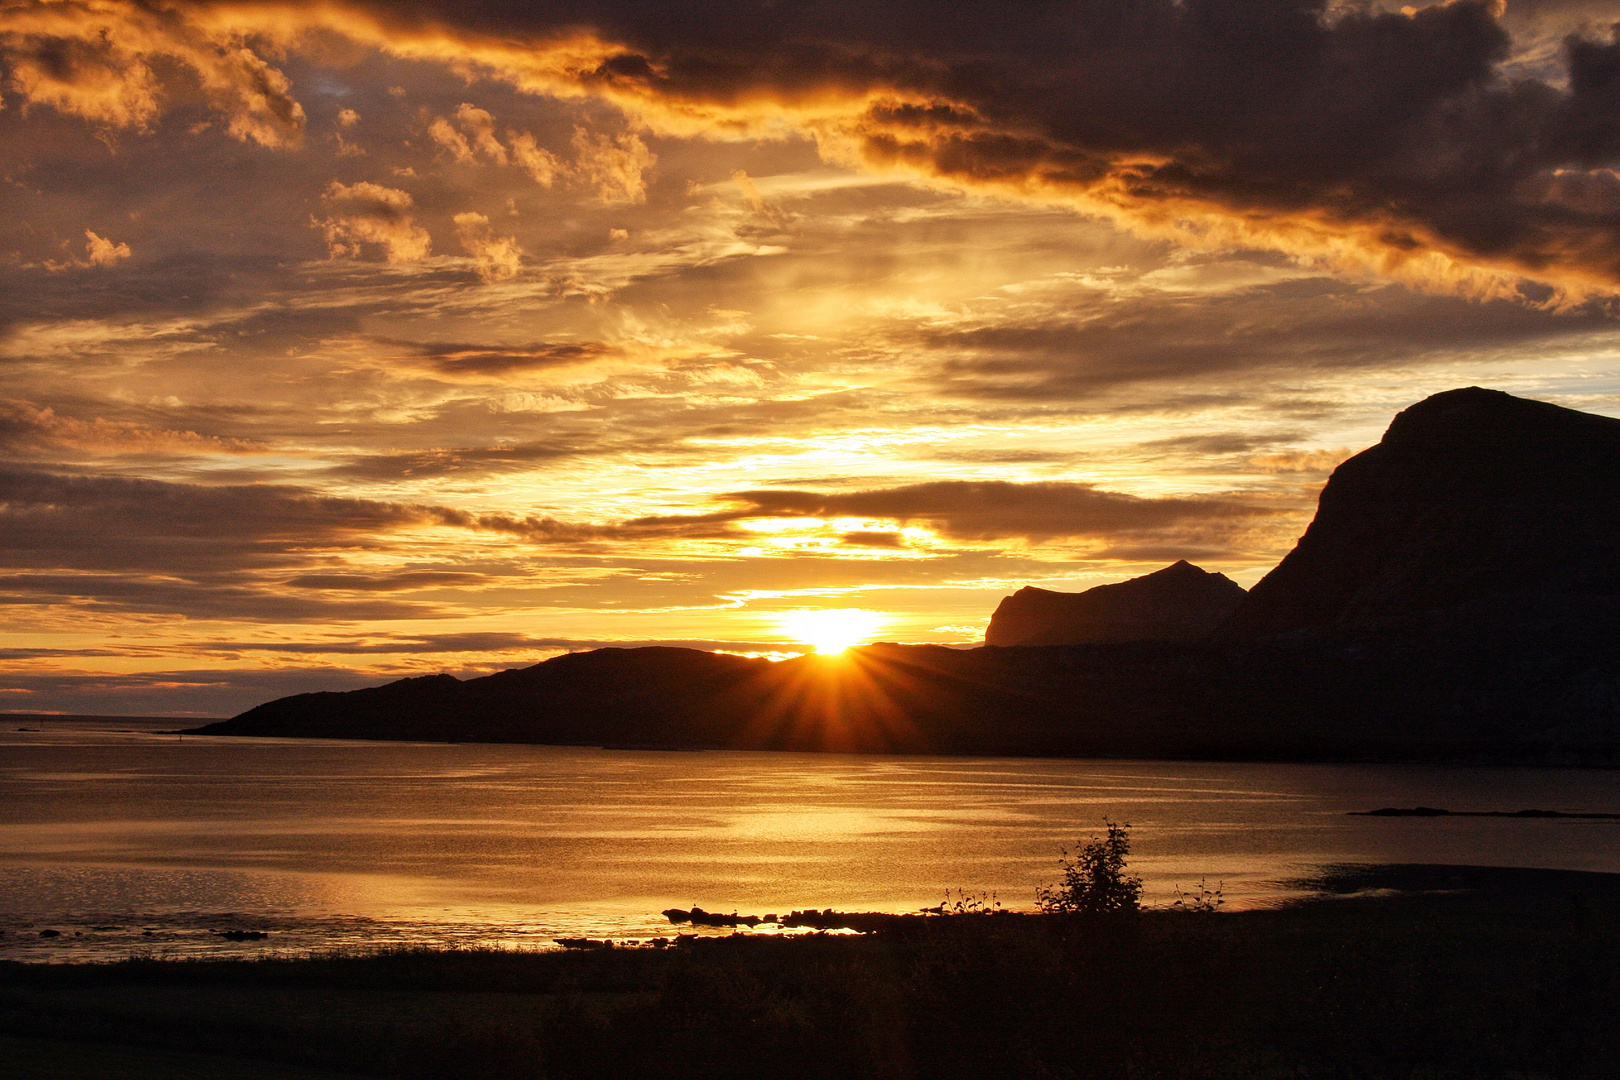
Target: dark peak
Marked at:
1474, 413
1473, 495
1181, 602
1180, 574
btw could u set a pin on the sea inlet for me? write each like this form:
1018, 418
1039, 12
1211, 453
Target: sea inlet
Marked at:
119, 840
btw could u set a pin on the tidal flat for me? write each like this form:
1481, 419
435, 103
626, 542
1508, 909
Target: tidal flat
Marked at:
1403, 971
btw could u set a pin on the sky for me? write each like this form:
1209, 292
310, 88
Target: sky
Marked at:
342, 342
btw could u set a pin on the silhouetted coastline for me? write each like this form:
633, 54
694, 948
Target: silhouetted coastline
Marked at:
1455, 599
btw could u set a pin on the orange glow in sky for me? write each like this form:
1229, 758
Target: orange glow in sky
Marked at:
832, 630
347, 342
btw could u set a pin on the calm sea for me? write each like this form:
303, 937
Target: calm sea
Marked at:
129, 841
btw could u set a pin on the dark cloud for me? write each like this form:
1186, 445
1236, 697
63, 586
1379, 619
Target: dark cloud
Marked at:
1220, 445
473, 642
993, 510
220, 551
406, 581
1295, 124
1284, 118
443, 461
195, 284
193, 594
106, 523
1174, 340
470, 360
1004, 457
55, 654
27, 429
181, 693
869, 539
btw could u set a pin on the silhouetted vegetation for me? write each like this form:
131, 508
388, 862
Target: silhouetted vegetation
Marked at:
1094, 880
1477, 975
1200, 901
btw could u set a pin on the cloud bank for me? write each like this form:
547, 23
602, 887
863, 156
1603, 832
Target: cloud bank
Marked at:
1396, 141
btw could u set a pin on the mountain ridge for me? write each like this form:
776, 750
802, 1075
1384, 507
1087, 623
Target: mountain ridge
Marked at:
1471, 493
1181, 602
1453, 599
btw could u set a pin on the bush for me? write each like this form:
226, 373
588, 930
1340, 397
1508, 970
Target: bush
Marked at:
1206, 901
1094, 881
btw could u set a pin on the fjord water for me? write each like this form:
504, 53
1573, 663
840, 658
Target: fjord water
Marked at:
129, 841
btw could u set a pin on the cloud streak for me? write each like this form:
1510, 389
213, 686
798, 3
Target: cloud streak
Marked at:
996, 510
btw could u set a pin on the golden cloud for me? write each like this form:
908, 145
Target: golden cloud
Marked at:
105, 61
534, 159
27, 428
498, 257
103, 252
480, 126
1351, 138
614, 165
366, 213
473, 135
98, 251
444, 133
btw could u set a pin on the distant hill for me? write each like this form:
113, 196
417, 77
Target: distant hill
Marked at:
1179, 603
1456, 598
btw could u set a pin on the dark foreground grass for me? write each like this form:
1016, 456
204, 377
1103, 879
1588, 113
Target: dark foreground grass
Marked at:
52, 1059
1478, 974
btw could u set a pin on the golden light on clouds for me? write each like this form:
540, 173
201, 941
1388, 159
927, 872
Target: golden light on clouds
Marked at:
345, 341
103, 62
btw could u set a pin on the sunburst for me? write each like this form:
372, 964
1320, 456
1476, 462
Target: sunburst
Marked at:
831, 630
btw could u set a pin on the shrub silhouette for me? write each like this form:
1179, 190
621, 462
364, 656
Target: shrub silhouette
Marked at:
1206, 901
1094, 881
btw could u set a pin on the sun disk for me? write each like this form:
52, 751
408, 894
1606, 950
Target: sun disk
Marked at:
832, 630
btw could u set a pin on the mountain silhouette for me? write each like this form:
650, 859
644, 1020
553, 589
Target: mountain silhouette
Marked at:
1472, 499
1179, 603
1455, 598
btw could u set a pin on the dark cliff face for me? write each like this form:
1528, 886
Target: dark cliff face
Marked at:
1475, 503
1179, 603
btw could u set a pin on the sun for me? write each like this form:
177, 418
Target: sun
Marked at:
831, 630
